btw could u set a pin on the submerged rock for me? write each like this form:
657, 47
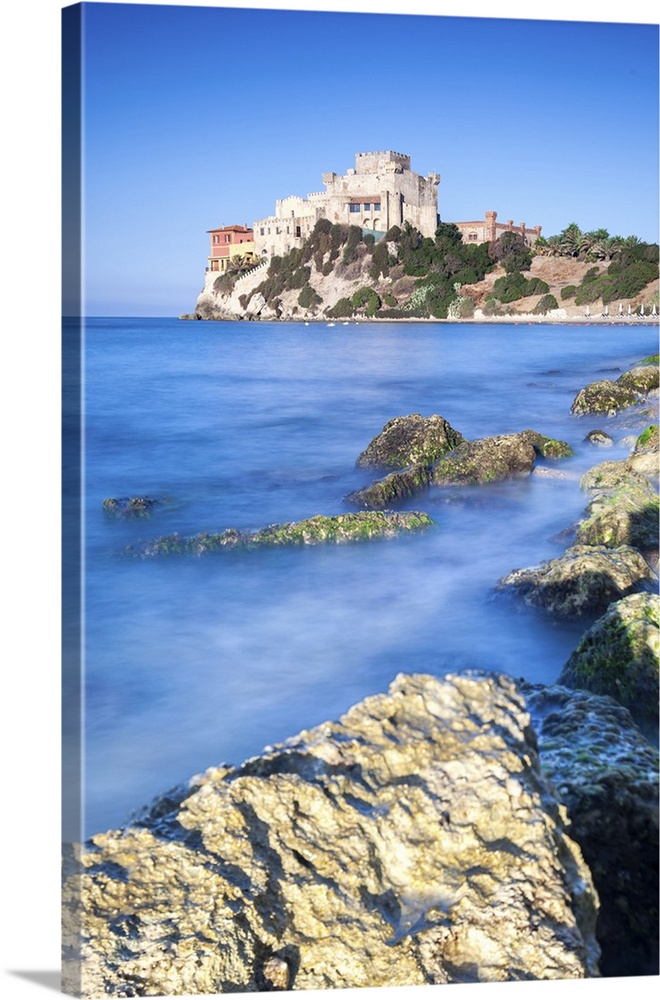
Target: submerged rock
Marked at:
583, 580
414, 841
128, 507
623, 510
605, 397
410, 440
619, 655
606, 774
318, 530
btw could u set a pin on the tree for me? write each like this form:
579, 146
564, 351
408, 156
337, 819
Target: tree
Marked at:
511, 251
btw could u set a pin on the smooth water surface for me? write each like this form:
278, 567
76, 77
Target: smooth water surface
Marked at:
191, 662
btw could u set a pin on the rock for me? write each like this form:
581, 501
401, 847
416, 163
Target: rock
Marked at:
486, 460
414, 841
547, 447
618, 656
623, 510
128, 507
600, 438
255, 306
605, 397
410, 440
644, 458
584, 580
606, 774
395, 486
317, 530
641, 379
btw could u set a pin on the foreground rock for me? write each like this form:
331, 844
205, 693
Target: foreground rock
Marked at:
318, 530
396, 486
410, 440
619, 655
623, 509
583, 580
645, 457
606, 774
491, 459
642, 379
415, 841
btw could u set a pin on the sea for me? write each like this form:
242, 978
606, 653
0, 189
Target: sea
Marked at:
193, 662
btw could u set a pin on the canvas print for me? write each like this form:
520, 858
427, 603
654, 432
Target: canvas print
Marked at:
360, 435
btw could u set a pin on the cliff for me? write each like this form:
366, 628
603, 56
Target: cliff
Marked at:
339, 274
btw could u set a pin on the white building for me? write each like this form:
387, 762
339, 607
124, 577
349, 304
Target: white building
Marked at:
379, 192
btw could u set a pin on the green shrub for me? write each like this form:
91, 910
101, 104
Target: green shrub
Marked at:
308, 298
389, 300
568, 291
367, 299
545, 304
340, 309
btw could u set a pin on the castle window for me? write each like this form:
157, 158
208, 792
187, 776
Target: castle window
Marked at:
262, 231
472, 236
367, 207
228, 238
355, 208
376, 206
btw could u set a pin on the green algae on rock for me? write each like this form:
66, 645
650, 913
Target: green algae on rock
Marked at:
486, 460
414, 841
130, 507
606, 775
623, 510
395, 486
410, 440
604, 397
618, 656
550, 448
585, 579
641, 379
319, 530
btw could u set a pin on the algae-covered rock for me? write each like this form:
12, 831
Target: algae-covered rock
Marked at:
547, 447
623, 509
641, 379
618, 656
393, 487
486, 460
605, 397
414, 841
645, 457
319, 530
583, 580
130, 507
606, 774
410, 440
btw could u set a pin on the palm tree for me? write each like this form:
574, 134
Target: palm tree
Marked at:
570, 239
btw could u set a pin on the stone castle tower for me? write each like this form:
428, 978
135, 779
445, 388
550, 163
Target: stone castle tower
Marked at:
379, 192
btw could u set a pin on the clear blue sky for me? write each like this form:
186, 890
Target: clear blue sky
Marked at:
197, 117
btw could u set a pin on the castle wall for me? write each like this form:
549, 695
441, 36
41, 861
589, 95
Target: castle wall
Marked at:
487, 230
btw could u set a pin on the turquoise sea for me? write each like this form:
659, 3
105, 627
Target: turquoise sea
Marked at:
193, 662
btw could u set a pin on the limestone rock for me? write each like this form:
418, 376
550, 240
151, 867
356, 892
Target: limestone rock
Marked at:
319, 530
414, 841
606, 774
599, 438
583, 580
623, 509
618, 656
410, 440
605, 397
645, 457
486, 460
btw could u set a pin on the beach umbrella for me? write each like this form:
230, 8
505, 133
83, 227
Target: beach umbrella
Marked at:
607, 310
588, 312
642, 310
654, 312
629, 310
620, 308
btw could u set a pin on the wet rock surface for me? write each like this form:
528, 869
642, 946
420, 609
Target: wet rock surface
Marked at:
319, 530
410, 440
486, 460
605, 397
618, 656
414, 841
391, 488
606, 774
131, 507
623, 509
583, 580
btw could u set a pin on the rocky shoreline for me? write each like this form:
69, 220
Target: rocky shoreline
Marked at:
469, 828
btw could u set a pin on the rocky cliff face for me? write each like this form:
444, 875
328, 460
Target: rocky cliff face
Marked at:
414, 841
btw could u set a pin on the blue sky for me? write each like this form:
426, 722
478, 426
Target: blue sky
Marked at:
197, 117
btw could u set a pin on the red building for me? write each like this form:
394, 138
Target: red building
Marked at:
228, 243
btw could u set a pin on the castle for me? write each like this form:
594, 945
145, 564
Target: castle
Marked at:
379, 192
